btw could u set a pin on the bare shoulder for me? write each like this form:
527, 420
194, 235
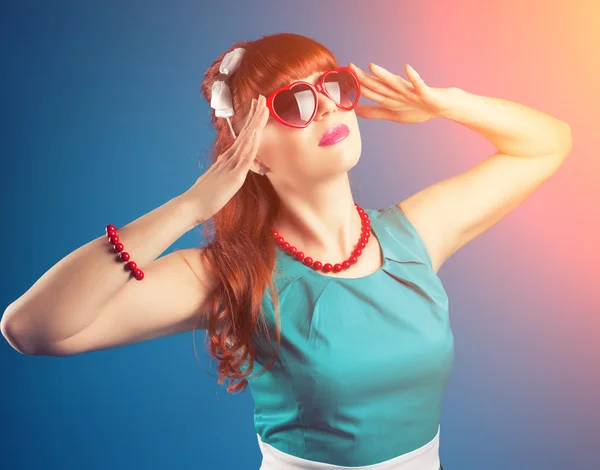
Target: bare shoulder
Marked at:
193, 257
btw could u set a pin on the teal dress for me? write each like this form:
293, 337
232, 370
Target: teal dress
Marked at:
363, 362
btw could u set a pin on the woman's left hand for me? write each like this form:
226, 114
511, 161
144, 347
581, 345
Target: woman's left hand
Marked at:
401, 101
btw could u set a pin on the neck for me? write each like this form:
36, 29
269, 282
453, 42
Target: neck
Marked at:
322, 223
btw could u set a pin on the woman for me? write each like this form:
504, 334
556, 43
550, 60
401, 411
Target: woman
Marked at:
340, 306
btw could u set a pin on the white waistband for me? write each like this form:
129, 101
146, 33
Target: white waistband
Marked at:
425, 457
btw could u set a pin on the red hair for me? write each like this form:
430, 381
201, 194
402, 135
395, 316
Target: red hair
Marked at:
242, 253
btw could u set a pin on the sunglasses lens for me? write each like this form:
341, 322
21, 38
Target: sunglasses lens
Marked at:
297, 105
342, 87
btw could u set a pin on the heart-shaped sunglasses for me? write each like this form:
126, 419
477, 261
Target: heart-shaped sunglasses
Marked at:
295, 105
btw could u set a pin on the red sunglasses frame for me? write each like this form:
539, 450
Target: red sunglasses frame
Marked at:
316, 89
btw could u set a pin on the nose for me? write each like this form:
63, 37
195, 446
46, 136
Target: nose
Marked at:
324, 105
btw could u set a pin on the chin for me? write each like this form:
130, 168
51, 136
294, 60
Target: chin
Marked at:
349, 151
350, 147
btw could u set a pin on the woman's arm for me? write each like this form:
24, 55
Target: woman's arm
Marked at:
71, 295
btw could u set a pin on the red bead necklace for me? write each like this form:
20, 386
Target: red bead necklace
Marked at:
328, 267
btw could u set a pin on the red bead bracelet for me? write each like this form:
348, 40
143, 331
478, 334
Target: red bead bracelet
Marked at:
113, 238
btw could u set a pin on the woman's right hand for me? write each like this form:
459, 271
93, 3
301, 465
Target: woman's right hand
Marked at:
217, 185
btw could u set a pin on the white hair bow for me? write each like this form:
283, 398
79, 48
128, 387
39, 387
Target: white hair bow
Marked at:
220, 99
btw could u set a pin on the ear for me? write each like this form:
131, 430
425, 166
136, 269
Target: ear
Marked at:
257, 167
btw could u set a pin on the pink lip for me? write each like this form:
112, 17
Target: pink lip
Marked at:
335, 134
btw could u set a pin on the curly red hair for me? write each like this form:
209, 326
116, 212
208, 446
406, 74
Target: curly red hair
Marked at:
242, 253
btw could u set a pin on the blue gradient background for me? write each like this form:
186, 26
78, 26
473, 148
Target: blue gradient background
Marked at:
103, 121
